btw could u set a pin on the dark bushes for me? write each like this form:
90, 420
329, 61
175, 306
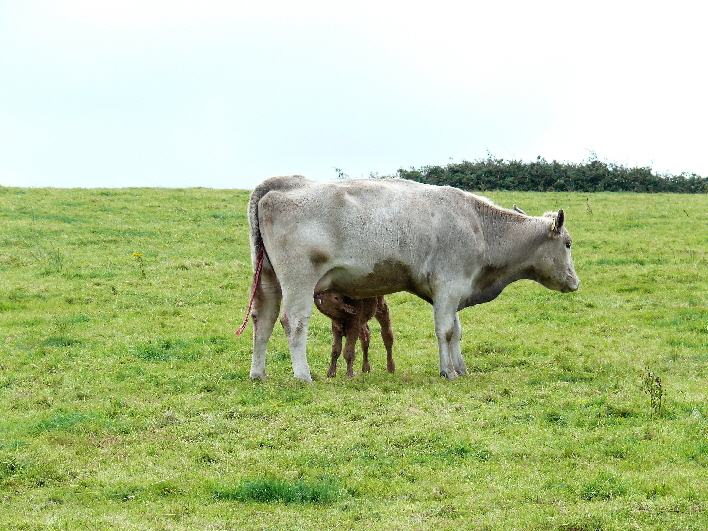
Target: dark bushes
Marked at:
592, 175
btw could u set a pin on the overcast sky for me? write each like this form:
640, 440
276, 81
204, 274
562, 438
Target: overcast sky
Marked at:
224, 94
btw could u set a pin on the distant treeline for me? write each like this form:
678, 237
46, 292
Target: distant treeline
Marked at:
542, 176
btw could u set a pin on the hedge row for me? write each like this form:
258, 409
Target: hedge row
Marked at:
542, 176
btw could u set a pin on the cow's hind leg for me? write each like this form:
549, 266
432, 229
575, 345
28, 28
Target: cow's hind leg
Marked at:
266, 307
297, 309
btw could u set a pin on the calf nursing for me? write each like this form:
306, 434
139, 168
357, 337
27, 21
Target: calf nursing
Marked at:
349, 319
371, 237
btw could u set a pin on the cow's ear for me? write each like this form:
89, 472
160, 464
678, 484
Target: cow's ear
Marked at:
558, 221
517, 209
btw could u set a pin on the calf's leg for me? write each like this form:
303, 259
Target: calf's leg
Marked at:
352, 332
365, 338
384, 318
336, 349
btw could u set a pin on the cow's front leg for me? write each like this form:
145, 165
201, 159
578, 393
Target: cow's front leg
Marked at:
297, 309
445, 329
384, 318
458, 361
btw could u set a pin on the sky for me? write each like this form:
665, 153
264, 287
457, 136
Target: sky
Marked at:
224, 94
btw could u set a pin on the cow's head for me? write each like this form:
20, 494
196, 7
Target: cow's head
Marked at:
552, 263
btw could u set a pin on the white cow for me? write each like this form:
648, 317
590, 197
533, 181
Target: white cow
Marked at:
373, 237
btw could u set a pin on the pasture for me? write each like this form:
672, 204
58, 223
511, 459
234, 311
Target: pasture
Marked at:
125, 401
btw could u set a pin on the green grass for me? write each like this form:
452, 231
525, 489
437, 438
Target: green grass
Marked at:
125, 401
268, 491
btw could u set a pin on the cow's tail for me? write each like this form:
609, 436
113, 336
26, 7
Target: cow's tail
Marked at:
258, 251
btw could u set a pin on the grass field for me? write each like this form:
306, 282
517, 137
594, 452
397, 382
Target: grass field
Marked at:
125, 401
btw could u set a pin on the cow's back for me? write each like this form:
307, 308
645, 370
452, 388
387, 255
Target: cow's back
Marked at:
367, 237
356, 218
383, 212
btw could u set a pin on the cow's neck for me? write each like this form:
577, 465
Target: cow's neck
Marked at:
510, 240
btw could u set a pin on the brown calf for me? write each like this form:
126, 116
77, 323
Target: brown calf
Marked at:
349, 319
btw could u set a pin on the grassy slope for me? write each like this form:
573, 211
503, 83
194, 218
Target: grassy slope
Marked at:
125, 400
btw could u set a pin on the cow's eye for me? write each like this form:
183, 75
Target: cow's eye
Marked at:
567, 245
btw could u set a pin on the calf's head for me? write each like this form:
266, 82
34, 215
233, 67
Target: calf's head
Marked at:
333, 305
552, 263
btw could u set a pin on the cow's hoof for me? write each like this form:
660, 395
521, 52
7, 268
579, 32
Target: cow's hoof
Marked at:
306, 378
448, 375
258, 377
